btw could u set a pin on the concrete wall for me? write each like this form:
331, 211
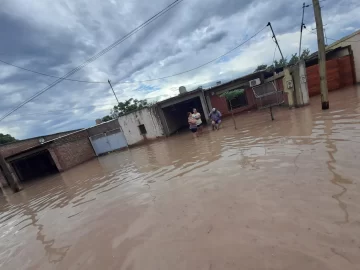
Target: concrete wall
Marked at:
355, 46
72, 150
147, 117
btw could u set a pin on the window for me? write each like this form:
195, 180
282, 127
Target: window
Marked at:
142, 129
238, 102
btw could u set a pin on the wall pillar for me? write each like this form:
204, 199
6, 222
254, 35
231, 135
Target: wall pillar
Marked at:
289, 87
204, 106
55, 159
300, 84
9, 175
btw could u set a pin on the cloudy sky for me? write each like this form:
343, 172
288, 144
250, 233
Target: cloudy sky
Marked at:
53, 37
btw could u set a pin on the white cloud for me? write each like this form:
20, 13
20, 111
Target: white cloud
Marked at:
65, 33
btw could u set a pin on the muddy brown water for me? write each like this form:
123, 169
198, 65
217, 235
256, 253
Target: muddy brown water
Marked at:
270, 195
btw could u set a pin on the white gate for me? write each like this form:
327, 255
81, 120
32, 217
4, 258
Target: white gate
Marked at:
109, 141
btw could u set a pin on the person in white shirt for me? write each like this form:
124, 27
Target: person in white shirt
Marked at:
197, 116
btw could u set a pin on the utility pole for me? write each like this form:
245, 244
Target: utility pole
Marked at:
274, 37
302, 27
113, 91
322, 55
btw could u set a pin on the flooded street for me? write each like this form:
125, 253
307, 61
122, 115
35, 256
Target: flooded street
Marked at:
270, 195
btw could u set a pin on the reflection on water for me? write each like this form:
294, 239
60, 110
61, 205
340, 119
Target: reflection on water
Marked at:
288, 190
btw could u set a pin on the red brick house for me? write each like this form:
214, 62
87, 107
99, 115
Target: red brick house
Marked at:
40, 156
242, 103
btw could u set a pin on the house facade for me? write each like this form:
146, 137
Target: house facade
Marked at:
41, 156
142, 125
242, 103
352, 40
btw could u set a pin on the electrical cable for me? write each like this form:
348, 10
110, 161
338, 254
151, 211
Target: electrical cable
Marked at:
56, 111
184, 71
200, 66
40, 73
311, 32
93, 58
274, 54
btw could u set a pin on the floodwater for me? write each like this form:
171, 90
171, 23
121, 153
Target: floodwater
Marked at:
270, 195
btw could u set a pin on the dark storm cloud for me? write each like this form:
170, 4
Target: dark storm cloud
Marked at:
212, 38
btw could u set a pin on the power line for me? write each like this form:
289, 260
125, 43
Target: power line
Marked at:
96, 56
311, 32
58, 111
43, 74
274, 54
200, 66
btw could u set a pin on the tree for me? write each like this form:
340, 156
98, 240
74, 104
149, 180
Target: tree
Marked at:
294, 59
261, 67
230, 95
6, 138
284, 62
305, 54
107, 118
129, 106
125, 107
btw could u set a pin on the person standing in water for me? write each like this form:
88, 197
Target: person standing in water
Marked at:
192, 124
197, 116
215, 117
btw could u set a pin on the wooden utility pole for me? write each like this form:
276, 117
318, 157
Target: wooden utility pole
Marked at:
113, 91
275, 39
322, 55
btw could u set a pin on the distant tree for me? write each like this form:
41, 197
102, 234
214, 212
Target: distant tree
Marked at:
261, 67
281, 63
305, 54
6, 138
125, 107
284, 62
293, 60
230, 95
107, 118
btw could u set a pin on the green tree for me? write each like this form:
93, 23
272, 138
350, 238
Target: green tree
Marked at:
293, 60
125, 107
6, 138
230, 95
305, 54
128, 106
261, 67
107, 118
284, 62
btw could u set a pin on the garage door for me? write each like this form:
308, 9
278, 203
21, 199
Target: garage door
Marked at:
109, 141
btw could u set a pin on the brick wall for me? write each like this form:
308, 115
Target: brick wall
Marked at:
73, 149
220, 103
16, 147
339, 73
104, 127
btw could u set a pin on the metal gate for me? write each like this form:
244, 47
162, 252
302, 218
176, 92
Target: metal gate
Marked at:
268, 96
109, 141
